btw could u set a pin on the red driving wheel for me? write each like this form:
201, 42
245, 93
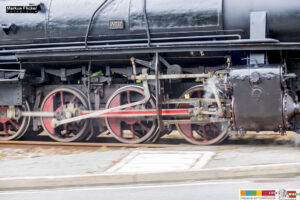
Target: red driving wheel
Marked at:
11, 129
56, 101
204, 134
135, 129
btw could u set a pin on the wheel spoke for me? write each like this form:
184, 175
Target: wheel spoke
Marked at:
132, 130
5, 128
75, 127
143, 126
128, 96
17, 126
62, 100
217, 130
66, 128
199, 94
204, 132
73, 99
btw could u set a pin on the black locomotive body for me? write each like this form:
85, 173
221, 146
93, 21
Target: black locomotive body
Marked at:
141, 68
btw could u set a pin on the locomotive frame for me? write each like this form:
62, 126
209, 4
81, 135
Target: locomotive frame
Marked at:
132, 90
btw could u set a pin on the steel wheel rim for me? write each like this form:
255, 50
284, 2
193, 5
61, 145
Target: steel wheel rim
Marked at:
112, 102
75, 96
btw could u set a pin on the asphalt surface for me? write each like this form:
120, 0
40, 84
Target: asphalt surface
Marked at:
212, 190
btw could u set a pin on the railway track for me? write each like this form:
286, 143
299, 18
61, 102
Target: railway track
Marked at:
166, 143
32, 144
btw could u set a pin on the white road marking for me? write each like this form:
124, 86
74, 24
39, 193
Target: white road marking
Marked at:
133, 187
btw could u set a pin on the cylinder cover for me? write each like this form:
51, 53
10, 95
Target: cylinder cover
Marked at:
257, 98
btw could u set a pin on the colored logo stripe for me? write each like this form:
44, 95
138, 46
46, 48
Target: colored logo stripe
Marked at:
268, 192
257, 193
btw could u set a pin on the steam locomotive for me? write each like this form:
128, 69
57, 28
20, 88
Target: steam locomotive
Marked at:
142, 68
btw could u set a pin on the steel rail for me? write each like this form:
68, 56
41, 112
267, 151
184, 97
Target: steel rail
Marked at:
81, 144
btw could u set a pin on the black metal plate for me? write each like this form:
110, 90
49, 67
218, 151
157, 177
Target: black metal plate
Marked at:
10, 94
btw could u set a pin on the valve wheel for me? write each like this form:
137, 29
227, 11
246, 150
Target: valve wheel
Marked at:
12, 129
204, 134
56, 101
131, 130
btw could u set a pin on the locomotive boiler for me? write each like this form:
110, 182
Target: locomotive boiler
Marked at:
139, 69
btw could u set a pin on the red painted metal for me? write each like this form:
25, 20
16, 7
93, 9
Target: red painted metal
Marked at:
58, 100
115, 123
170, 112
14, 124
48, 107
5, 121
198, 134
129, 125
5, 128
